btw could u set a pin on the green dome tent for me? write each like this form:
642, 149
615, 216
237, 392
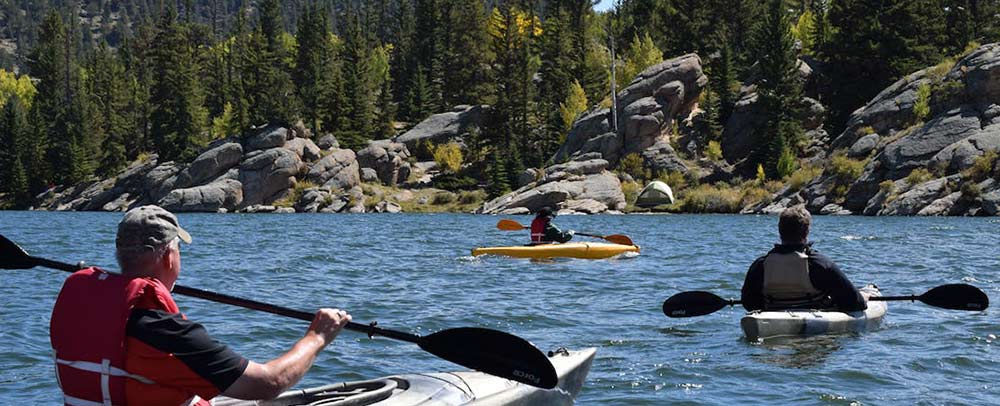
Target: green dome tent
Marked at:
655, 194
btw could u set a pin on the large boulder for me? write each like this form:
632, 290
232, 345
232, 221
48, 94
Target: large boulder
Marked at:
224, 194
210, 164
339, 170
269, 137
576, 186
303, 147
266, 174
388, 159
662, 158
659, 96
444, 127
917, 198
159, 180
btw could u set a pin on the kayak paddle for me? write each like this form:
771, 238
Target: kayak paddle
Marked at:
493, 352
956, 296
621, 239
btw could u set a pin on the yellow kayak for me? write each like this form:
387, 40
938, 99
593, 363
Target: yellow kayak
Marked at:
583, 250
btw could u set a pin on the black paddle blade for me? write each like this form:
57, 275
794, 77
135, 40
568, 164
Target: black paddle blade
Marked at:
693, 303
493, 352
13, 256
956, 296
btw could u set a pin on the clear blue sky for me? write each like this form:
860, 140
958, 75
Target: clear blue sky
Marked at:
603, 5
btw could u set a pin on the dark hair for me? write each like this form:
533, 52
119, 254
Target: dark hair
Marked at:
545, 212
793, 225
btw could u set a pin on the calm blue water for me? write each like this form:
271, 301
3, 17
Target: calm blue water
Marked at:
412, 273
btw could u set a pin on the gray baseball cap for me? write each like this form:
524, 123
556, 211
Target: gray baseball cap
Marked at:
148, 227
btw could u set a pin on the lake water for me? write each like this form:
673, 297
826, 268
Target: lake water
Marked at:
413, 273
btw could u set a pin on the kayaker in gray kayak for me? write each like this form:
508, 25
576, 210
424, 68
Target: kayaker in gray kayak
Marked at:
544, 232
121, 339
794, 276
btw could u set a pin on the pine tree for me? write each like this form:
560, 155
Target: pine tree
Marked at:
108, 91
13, 134
53, 63
404, 60
876, 42
722, 81
557, 76
357, 72
464, 56
136, 58
178, 116
429, 48
779, 89
312, 68
273, 94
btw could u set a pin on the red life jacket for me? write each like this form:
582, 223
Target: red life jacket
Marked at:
538, 230
88, 337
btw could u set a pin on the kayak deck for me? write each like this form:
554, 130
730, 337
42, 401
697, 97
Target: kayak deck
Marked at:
769, 324
442, 388
580, 250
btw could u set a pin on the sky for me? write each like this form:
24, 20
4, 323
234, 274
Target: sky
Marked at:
603, 5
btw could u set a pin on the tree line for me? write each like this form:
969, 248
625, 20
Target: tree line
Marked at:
169, 77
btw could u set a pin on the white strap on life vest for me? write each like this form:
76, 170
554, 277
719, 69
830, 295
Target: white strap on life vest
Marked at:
106, 371
100, 369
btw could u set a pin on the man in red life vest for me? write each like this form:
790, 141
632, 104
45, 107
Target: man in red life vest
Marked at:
544, 232
121, 340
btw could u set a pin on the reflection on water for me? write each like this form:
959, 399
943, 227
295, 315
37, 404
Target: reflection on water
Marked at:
798, 352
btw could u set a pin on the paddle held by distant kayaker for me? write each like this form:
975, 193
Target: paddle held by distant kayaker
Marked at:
793, 275
544, 232
121, 339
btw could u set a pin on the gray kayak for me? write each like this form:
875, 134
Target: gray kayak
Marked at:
442, 389
760, 325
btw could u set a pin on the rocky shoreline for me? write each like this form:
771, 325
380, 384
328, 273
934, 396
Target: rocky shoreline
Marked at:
926, 145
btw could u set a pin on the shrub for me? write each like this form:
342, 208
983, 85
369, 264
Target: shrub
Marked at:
453, 181
753, 195
296, 194
887, 187
711, 199
713, 151
866, 130
786, 163
443, 198
799, 178
631, 191
761, 176
982, 166
675, 180
971, 191
844, 168
472, 197
918, 176
634, 166
449, 156
922, 107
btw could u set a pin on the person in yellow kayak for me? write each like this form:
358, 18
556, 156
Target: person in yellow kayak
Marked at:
793, 275
544, 232
121, 339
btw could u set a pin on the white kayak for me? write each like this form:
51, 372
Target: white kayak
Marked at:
760, 325
442, 389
